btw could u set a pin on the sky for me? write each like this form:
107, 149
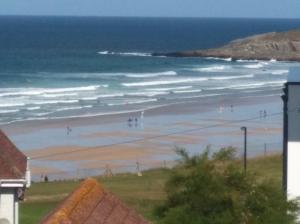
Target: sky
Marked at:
155, 8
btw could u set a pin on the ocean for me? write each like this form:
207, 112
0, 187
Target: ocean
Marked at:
57, 67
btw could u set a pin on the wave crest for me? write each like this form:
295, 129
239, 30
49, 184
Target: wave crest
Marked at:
136, 54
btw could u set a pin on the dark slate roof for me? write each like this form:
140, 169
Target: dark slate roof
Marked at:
91, 204
12, 161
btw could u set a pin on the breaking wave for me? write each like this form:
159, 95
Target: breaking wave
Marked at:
164, 82
5, 92
217, 68
280, 72
136, 54
150, 75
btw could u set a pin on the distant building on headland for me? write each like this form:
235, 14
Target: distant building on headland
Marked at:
291, 136
90, 203
14, 178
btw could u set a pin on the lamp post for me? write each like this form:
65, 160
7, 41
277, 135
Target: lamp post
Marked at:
245, 147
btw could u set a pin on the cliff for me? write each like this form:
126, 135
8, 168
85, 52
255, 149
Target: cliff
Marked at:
283, 46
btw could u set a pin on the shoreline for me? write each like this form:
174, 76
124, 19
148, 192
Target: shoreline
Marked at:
199, 104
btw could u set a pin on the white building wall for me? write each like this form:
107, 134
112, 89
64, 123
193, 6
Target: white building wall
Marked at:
293, 177
7, 205
293, 146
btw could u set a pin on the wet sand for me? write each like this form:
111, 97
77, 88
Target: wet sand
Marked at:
96, 142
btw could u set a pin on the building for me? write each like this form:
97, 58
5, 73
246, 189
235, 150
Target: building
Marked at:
291, 136
91, 204
14, 178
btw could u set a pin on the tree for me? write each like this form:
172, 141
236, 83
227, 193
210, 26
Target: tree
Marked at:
204, 190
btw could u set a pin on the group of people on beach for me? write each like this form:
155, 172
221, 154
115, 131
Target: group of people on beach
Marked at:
130, 122
221, 108
262, 114
135, 121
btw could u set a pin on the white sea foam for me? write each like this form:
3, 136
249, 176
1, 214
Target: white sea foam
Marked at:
135, 54
125, 74
8, 111
222, 59
255, 66
149, 75
33, 108
280, 72
103, 52
188, 91
47, 95
149, 94
164, 82
11, 104
54, 102
139, 54
43, 114
170, 88
73, 108
39, 91
217, 68
242, 60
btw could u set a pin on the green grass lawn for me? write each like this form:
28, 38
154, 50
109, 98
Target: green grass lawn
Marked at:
142, 193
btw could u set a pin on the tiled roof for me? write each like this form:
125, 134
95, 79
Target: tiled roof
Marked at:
91, 204
12, 161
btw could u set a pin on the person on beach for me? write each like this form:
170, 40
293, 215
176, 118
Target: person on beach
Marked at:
129, 122
69, 130
265, 113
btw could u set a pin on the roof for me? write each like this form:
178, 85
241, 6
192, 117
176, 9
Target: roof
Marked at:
294, 74
12, 161
90, 204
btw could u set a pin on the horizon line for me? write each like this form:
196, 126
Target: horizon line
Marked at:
150, 17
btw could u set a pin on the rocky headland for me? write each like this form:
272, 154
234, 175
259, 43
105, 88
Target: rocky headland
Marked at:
281, 46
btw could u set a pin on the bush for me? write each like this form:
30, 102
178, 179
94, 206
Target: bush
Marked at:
216, 191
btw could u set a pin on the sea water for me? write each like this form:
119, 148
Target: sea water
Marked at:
53, 67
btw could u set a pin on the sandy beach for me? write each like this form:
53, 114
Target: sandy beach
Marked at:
66, 148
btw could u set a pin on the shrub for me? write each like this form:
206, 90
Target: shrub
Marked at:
202, 191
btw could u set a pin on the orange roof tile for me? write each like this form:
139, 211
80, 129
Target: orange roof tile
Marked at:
12, 161
91, 204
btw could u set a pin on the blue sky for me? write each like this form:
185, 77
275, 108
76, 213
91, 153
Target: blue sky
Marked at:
155, 8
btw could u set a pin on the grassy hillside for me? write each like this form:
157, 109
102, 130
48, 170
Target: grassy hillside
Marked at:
142, 193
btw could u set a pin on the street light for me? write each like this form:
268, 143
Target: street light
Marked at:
245, 147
